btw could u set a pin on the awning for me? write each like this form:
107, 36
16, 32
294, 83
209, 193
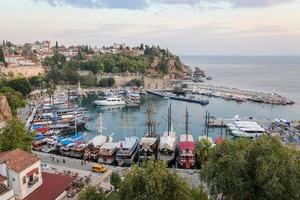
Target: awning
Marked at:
32, 172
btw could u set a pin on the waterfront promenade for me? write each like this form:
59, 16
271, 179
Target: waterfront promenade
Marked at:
74, 165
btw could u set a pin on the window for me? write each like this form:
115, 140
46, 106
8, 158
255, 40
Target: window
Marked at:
24, 179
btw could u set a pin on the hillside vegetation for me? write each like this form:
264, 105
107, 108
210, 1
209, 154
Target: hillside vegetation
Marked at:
153, 62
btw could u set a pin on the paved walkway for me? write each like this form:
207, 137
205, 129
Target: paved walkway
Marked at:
75, 165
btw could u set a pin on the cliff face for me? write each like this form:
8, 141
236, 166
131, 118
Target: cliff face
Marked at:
168, 65
5, 112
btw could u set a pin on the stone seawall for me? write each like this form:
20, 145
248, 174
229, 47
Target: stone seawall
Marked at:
149, 82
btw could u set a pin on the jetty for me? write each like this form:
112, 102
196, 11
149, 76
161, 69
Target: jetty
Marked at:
179, 98
227, 93
241, 95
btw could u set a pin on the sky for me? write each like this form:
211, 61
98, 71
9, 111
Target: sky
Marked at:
186, 27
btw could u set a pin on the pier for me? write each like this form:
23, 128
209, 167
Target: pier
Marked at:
241, 95
233, 94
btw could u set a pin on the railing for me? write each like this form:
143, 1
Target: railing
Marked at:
34, 181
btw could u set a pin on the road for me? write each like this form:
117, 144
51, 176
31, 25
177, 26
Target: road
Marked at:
75, 165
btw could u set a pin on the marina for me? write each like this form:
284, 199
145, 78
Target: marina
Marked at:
61, 128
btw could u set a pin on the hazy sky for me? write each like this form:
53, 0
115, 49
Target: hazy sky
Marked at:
226, 27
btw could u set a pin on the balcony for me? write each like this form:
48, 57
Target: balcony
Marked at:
33, 181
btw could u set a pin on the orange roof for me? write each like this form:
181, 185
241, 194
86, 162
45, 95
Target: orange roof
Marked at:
18, 160
2, 179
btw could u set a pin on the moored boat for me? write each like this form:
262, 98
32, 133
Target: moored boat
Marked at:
107, 152
167, 144
186, 148
127, 151
110, 101
148, 144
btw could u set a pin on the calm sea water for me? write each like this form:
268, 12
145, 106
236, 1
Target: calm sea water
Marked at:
260, 73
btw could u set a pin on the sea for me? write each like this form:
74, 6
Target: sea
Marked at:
279, 74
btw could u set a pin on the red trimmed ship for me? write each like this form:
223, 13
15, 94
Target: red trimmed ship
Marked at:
186, 148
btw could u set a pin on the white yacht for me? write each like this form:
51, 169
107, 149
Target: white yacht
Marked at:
247, 129
110, 101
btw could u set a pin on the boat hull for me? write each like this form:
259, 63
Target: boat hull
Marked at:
107, 161
106, 103
186, 163
126, 160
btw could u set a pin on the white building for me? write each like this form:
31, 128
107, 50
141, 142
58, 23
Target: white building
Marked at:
22, 173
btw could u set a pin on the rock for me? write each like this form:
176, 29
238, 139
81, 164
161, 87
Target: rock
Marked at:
199, 73
5, 112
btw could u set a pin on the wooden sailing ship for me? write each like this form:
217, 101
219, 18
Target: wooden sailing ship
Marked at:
186, 147
167, 144
148, 144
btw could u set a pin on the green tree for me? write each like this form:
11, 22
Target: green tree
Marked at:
54, 66
142, 46
88, 80
153, 180
2, 58
136, 82
115, 180
253, 169
203, 147
14, 98
20, 84
14, 136
91, 193
107, 82
36, 81
198, 193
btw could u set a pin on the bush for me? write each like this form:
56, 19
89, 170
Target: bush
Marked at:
21, 84
136, 82
107, 82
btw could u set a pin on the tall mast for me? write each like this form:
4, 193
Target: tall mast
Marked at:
100, 125
169, 119
151, 123
187, 124
75, 123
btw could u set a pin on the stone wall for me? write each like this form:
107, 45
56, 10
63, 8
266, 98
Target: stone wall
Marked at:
121, 80
26, 71
156, 83
149, 82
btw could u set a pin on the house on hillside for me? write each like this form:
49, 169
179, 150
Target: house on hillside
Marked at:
22, 172
21, 178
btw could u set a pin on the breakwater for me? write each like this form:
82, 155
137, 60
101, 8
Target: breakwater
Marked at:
179, 98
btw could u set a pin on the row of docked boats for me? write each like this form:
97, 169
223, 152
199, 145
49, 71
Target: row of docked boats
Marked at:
104, 149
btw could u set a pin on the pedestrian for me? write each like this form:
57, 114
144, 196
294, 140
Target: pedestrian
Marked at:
81, 162
57, 160
64, 161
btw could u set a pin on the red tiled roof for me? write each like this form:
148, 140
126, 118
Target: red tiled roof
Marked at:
18, 160
53, 186
2, 179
